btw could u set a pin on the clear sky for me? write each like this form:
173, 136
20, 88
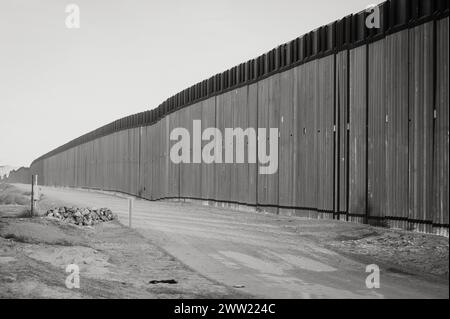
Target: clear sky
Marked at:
128, 56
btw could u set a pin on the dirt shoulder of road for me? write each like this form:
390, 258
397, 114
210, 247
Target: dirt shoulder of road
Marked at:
423, 255
114, 261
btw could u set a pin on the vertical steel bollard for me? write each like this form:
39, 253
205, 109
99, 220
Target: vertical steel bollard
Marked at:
130, 210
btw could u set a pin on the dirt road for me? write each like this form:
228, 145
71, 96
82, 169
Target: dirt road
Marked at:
260, 254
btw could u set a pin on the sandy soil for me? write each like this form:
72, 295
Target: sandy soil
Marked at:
114, 261
265, 255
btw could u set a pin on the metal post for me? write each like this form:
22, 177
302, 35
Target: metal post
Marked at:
34, 193
32, 196
130, 210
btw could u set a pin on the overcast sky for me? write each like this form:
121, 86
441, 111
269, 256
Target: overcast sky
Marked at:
128, 56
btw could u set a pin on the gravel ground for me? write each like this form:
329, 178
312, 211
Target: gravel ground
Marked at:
408, 252
397, 250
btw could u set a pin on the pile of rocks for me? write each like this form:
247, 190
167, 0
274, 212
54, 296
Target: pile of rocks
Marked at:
82, 216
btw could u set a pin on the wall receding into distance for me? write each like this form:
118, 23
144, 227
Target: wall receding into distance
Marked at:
363, 120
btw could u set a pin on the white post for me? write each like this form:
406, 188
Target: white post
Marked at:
130, 210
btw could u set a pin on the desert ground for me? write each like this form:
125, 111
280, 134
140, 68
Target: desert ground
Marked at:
205, 252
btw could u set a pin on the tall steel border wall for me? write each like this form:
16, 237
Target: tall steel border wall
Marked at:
363, 120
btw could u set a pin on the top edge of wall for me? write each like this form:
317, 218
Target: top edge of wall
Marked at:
343, 34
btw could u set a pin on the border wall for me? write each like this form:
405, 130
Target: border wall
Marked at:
362, 115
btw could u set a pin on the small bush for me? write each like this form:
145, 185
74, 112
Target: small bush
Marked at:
10, 195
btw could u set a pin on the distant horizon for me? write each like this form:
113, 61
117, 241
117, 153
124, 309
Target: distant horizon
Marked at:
127, 57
